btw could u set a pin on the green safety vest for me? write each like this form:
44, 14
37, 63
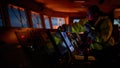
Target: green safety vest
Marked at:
103, 34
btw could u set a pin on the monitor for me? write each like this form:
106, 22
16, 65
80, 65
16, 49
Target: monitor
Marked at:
48, 43
68, 43
58, 41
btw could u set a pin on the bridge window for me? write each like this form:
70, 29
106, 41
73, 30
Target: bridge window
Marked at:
56, 22
47, 22
1, 22
117, 22
17, 16
36, 20
76, 20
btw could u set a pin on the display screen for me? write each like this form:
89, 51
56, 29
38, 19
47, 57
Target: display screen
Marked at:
48, 43
59, 42
69, 44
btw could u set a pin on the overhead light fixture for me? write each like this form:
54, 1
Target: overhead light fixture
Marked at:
117, 9
83, 6
79, 1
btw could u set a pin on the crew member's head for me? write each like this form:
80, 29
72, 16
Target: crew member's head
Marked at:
93, 13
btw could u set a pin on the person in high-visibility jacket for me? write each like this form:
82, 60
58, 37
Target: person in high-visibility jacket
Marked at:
99, 29
78, 27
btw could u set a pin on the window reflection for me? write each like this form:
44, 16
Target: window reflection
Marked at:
56, 22
17, 16
36, 20
47, 23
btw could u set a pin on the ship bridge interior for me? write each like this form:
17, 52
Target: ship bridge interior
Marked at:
59, 34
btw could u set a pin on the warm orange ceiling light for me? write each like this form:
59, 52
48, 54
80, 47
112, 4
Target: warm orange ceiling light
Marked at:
79, 1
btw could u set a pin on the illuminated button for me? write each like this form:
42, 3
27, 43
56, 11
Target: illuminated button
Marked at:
22, 36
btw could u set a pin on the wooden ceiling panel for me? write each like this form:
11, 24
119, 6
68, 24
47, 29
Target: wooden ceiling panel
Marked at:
79, 5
